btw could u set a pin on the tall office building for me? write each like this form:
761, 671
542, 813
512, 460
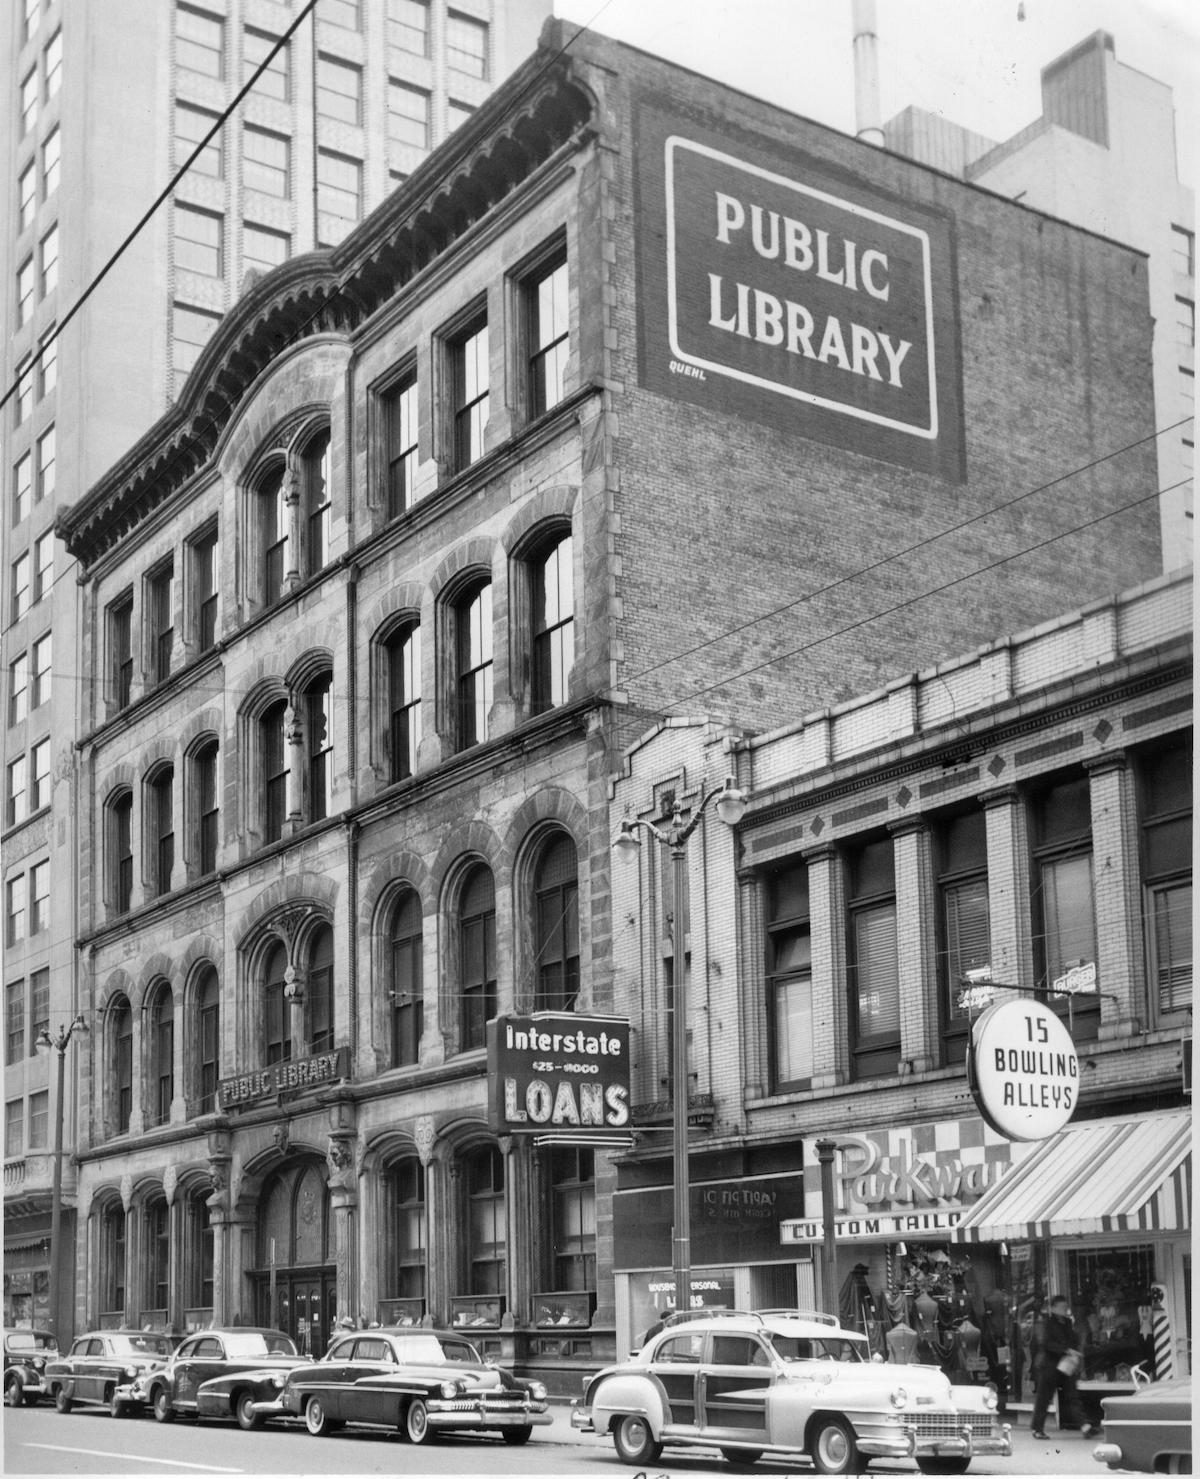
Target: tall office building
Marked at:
1103, 155
106, 103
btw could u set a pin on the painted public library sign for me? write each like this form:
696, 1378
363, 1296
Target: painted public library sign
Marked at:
287, 1077
776, 286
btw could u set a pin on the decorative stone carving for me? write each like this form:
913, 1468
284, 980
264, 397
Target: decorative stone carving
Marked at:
340, 1157
126, 1191
170, 1178
424, 1134
282, 1136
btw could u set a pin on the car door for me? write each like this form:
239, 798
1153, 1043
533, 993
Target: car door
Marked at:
197, 1360
373, 1356
733, 1387
677, 1366
90, 1369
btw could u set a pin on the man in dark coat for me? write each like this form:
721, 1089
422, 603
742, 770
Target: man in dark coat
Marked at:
1059, 1340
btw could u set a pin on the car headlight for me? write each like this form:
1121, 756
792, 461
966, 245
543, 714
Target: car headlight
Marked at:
899, 1398
278, 1381
990, 1399
450, 1389
133, 1370
537, 1391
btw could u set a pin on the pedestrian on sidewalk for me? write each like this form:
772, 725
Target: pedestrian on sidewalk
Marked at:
1056, 1369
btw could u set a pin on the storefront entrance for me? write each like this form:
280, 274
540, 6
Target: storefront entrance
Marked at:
303, 1306
295, 1281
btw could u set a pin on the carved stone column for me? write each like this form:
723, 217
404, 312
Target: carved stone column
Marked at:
291, 504
293, 738
520, 1214
343, 1200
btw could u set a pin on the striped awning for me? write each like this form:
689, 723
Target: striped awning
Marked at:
1101, 1176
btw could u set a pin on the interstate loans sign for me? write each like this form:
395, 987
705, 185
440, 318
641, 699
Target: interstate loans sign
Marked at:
556, 1073
775, 286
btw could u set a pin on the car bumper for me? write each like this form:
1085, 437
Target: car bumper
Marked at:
131, 1392
907, 1442
271, 1407
581, 1420
457, 1414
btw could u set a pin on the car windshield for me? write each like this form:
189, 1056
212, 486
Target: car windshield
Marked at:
31, 1340
140, 1345
823, 1348
252, 1343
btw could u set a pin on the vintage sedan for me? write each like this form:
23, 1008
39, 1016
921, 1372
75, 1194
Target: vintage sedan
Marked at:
242, 1351
25, 1355
787, 1383
1150, 1429
101, 1362
419, 1381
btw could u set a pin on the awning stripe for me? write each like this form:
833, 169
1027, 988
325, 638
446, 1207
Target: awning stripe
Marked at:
1101, 1176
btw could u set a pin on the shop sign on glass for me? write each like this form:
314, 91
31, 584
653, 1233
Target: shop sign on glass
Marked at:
557, 1072
800, 296
1023, 1070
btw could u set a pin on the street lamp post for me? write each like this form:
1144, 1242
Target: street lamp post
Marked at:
59, 1043
731, 806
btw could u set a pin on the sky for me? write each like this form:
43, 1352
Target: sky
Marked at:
977, 62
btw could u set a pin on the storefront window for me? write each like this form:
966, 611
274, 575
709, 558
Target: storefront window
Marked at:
1111, 1306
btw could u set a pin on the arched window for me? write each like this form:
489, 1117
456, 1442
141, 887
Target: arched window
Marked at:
296, 1218
407, 990
158, 1246
122, 1049
318, 739
406, 1254
112, 1261
473, 663
206, 808
271, 513
556, 926
404, 701
315, 491
197, 1254
120, 819
162, 1053
274, 751
483, 1178
552, 597
477, 957
319, 991
160, 843
208, 1040
277, 1041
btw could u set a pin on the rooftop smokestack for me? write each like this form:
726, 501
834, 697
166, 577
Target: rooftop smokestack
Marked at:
867, 112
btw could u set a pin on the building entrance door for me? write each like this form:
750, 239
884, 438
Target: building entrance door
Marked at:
304, 1308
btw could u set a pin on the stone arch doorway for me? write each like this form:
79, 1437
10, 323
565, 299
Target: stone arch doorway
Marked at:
295, 1278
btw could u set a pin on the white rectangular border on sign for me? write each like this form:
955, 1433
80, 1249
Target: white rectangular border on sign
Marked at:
676, 141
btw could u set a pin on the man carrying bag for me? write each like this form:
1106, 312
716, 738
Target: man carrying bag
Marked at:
1056, 1368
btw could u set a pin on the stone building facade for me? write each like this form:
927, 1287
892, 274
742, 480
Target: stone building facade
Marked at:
442, 515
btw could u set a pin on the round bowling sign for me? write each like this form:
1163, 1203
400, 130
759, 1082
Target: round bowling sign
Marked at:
1023, 1069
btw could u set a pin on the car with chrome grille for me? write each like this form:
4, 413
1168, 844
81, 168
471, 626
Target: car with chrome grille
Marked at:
419, 1381
787, 1383
102, 1361
246, 1356
26, 1352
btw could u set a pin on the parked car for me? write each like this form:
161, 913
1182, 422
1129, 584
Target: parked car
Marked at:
100, 1362
245, 1351
787, 1383
421, 1381
25, 1355
1150, 1429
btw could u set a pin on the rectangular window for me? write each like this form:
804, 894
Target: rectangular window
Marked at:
48, 363
1185, 323
39, 1002
205, 589
47, 471
22, 487
39, 897
469, 372
122, 852
16, 795
43, 566
191, 125
1165, 801
25, 283
552, 592
408, 27
266, 164
30, 19
29, 101
49, 256
207, 808
39, 775
160, 620
965, 921
199, 42
210, 1048
474, 653
547, 329
39, 1120
120, 651
275, 774
1064, 911
339, 195
408, 115
456, 114
23, 403
199, 241
318, 728
51, 163
162, 821
1183, 251
53, 65
467, 45
873, 960
342, 13
263, 248
400, 411
26, 195
191, 329
404, 683
14, 1110
339, 90
275, 81
41, 671
789, 978
15, 910
14, 1021
18, 688
20, 586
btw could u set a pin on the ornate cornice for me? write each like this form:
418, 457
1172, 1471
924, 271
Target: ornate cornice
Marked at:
334, 291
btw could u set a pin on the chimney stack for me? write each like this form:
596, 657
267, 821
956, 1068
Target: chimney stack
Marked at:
867, 119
